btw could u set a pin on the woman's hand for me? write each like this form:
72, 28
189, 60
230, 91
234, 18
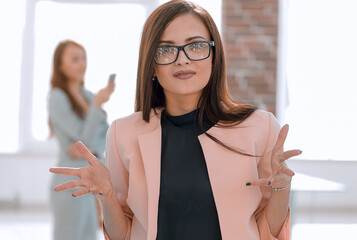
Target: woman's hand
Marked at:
92, 179
104, 94
281, 175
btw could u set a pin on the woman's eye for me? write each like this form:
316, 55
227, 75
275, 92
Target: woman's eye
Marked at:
164, 50
196, 46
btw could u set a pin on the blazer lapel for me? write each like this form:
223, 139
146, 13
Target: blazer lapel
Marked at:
228, 172
150, 148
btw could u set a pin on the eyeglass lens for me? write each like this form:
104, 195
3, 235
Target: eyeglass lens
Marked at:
194, 51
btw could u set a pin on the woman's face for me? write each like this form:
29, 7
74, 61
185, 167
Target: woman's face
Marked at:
74, 63
184, 77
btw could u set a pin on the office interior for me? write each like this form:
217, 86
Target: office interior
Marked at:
294, 58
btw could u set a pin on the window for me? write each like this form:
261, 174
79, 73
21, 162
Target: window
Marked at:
11, 25
111, 40
321, 78
108, 30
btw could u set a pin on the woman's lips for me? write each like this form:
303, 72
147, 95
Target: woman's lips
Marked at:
184, 74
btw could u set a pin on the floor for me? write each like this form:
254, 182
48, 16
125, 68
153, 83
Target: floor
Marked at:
35, 223
27, 224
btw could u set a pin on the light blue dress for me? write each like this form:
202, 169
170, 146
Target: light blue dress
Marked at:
75, 218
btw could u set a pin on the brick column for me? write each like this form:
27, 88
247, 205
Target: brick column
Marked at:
250, 35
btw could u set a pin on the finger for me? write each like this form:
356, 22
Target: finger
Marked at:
66, 171
281, 138
111, 85
68, 185
288, 154
81, 192
86, 153
259, 182
287, 171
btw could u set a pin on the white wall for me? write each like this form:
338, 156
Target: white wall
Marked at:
24, 179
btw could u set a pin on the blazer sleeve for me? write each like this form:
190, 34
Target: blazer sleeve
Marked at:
119, 175
264, 171
63, 117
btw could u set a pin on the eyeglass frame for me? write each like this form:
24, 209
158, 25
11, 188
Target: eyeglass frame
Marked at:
182, 47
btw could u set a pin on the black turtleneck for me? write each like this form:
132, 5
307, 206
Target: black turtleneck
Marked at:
186, 205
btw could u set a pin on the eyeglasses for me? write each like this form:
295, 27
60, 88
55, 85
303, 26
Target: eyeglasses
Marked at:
194, 51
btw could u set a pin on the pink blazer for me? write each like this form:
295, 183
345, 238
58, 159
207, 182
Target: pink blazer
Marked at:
133, 157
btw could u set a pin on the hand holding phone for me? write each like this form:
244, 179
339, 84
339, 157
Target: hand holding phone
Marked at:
104, 94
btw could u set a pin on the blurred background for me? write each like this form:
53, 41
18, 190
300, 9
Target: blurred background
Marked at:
295, 58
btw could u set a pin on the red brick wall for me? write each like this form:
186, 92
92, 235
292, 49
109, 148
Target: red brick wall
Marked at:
250, 34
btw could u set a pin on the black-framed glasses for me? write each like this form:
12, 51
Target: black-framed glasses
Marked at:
194, 51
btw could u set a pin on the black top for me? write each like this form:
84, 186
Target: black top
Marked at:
186, 206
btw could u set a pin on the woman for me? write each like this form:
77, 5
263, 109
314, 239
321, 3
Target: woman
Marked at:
190, 163
75, 114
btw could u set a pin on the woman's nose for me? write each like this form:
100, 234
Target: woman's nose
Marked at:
182, 59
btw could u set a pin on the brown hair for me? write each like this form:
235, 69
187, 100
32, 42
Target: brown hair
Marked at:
215, 102
60, 80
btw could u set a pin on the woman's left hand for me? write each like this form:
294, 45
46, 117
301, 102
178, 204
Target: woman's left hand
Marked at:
281, 175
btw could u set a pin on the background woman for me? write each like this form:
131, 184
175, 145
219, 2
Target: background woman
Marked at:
75, 114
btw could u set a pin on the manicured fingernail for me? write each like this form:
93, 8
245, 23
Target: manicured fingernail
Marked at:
248, 184
269, 183
73, 195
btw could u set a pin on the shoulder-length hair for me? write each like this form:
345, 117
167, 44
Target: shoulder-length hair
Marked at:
60, 80
215, 102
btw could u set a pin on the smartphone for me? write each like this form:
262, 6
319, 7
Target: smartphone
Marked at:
112, 77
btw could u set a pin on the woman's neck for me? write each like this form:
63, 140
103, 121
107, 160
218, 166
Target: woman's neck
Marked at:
180, 106
74, 87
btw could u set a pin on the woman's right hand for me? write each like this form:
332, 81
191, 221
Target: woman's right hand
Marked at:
104, 94
92, 179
